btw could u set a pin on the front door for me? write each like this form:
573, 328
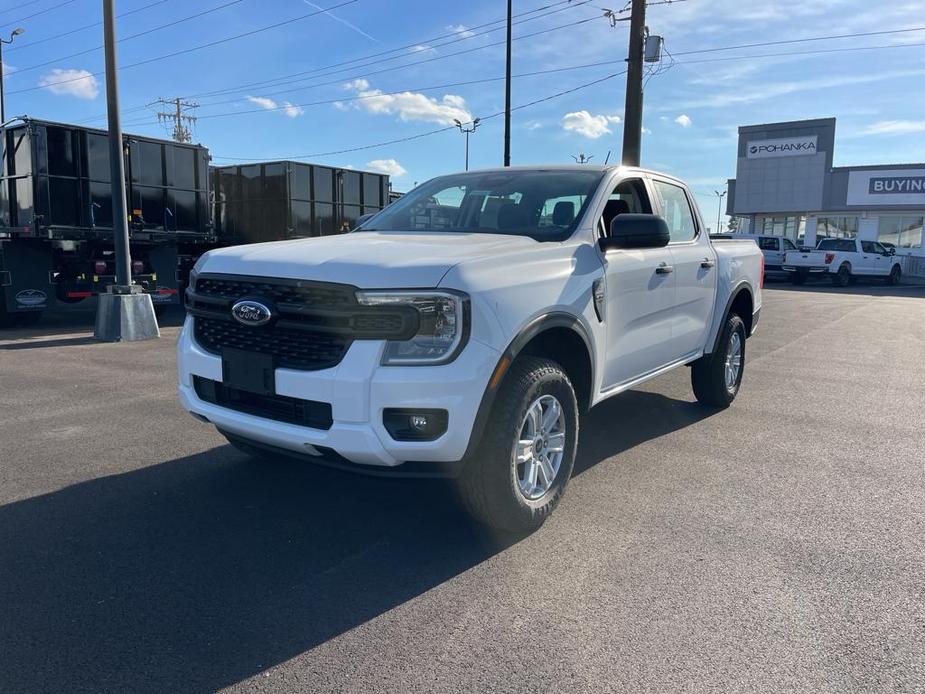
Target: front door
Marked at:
639, 296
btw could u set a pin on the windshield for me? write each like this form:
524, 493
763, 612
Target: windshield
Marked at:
545, 205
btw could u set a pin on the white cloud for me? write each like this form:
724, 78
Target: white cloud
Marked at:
421, 48
292, 110
410, 106
533, 125
587, 125
683, 120
288, 109
461, 30
79, 83
646, 131
387, 166
895, 127
262, 102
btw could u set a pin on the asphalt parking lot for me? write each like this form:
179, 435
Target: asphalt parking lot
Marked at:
775, 546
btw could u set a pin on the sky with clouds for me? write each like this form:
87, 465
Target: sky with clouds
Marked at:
290, 78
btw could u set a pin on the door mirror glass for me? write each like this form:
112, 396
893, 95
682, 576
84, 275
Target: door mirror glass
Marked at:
636, 231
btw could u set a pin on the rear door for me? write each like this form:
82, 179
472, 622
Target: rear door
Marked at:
694, 263
640, 294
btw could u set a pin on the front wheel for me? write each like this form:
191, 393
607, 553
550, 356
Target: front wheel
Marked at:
716, 377
519, 472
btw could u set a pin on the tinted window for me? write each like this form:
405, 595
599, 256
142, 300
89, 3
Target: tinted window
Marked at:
502, 202
868, 247
836, 245
676, 210
789, 245
767, 243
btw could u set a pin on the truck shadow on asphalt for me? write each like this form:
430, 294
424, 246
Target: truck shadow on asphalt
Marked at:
199, 572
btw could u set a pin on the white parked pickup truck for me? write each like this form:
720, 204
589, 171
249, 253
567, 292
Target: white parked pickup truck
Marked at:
461, 330
843, 260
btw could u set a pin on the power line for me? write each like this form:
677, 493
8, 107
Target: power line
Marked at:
20, 46
36, 14
418, 136
20, 6
341, 79
199, 47
136, 35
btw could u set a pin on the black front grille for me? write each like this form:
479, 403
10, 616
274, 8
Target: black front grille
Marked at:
308, 413
315, 294
290, 349
314, 323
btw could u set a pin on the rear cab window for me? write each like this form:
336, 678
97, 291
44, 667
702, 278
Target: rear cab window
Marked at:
836, 245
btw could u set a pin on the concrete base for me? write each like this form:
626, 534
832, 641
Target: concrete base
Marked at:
125, 318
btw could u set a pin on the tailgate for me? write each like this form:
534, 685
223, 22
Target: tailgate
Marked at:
804, 258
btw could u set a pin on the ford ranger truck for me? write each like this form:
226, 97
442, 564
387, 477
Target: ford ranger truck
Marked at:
462, 329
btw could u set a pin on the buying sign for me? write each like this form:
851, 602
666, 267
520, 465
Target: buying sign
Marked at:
781, 147
886, 187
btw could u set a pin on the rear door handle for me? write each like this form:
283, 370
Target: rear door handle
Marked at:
664, 269
706, 263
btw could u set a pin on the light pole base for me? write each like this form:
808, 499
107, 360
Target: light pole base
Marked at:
125, 314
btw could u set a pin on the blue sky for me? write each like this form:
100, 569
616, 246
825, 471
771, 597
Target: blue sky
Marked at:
693, 107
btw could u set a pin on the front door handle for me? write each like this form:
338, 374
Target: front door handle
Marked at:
664, 269
707, 263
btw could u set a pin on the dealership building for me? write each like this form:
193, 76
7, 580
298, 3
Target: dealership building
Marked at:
786, 185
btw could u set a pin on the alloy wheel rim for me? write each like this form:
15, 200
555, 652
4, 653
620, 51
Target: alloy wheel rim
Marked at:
540, 447
733, 360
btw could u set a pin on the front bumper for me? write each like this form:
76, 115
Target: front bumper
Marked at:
358, 389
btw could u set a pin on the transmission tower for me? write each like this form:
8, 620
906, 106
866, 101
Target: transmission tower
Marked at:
583, 158
177, 117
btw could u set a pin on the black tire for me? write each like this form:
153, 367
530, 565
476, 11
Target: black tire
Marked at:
489, 484
798, 278
895, 275
843, 277
708, 374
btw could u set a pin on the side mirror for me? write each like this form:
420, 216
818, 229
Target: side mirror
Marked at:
636, 231
362, 219
892, 251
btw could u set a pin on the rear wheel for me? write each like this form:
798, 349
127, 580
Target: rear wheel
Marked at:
895, 275
519, 472
799, 277
843, 276
716, 377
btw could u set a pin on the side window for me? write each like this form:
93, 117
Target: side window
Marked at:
628, 196
767, 243
881, 249
677, 211
868, 247
789, 245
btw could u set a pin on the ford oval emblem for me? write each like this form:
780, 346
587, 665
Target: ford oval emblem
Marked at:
252, 313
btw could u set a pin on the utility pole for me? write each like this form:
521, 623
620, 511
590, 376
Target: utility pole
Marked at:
632, 116
177, 116
124, 312
719, 208
582, 158
507, 92
468, 131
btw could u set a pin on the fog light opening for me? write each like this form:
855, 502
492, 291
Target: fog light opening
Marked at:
415, 425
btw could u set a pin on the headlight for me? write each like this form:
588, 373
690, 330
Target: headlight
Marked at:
444, 326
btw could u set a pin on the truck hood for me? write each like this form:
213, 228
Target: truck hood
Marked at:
369, 259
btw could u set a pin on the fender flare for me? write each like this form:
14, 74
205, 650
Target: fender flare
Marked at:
743, 286
541, 323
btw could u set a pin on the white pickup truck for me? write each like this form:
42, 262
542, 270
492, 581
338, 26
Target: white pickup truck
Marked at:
843, 260
463, 329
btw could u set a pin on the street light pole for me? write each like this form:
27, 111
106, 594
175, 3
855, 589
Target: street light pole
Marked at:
719, 207
124, 312
467, 131
16, 32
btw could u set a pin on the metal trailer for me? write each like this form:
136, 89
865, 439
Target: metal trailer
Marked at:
277, 200
56, 237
